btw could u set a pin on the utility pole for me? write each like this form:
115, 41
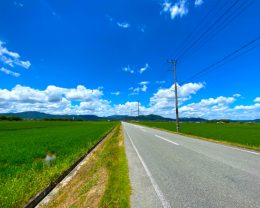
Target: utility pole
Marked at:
174, 62
138, 108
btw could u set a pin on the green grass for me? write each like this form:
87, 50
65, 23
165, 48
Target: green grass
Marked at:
24, 145
118, 189
239, 134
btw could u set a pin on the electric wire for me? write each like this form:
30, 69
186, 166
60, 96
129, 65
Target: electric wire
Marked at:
225, 58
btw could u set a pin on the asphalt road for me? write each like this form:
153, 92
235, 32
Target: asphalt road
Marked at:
169, 170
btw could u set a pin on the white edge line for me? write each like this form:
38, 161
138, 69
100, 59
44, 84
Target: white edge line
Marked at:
159, 193
255, 153
166, 140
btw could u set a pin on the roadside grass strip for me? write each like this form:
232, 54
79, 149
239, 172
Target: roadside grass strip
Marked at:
103, 180
243, 135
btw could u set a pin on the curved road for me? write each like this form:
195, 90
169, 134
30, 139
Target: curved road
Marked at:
169, 170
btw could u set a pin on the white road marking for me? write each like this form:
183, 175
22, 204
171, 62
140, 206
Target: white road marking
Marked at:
255, 153
166, 140
159, 193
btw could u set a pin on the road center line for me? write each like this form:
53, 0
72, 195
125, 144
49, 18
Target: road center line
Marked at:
255, 153
159, 193
166, 140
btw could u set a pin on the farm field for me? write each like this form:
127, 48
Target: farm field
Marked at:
240, 134
24, 146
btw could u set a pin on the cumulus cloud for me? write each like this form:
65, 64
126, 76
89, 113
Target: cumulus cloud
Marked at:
198, 3
143, 69
123, 25
9, 72
184, 93
81, 93
180, 8
257, 100
208, 108
12, 59
59, 100
162, 102
248, 107
52, 100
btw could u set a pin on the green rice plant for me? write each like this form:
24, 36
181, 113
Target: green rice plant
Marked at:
24, 146
239, 134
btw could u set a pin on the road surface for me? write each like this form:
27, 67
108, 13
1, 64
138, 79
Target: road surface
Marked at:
169, 170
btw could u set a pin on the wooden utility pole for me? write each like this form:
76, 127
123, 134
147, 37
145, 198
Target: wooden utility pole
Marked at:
138, 108
174, 62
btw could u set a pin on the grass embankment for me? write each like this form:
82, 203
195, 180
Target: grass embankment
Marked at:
245, 135
24, 146
102, 181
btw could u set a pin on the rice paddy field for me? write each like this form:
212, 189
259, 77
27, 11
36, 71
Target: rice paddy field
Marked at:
240, 134
24, 146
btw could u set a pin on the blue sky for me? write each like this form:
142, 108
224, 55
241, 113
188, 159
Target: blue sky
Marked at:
100, 57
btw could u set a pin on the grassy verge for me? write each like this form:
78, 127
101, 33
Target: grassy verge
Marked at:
102, 181
245, 135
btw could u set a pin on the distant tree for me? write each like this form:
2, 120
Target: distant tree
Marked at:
10, 118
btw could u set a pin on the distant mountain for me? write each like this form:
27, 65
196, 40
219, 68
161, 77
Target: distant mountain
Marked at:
193, 120
151, 118
38, 115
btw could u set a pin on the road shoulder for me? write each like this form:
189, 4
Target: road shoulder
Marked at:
143, 193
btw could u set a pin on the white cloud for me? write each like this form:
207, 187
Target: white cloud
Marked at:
257, 100
142, 88
51, 100
198, 3
128, 69
143, 69
144, 83
162, 102
115, 93
180, 8
248, 107
58, 100
128, 108
81, 93
9, 72
12, 59
237, 95
123, 25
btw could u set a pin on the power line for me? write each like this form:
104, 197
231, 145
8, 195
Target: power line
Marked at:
225, 58
197, 28
208, 29
232, 16
230, 13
